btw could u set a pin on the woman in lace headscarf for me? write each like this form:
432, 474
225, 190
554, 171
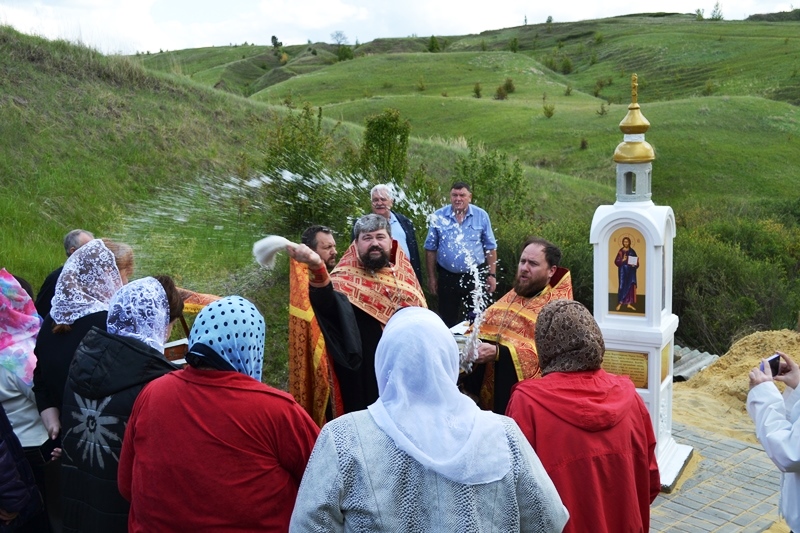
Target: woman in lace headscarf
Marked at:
424, 457
210, 447
109, 370
19, 325
88, 281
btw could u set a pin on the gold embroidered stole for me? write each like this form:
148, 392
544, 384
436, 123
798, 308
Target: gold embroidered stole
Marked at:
381, 293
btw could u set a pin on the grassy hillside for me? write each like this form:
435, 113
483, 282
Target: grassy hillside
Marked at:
721, 123
146, 150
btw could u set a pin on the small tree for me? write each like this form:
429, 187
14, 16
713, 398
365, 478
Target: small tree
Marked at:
698, 14
501, 93
716, 13
276, 44
384, 152
483, 45
549, 25
339, 38
509, 86
433, 44
549, 110
566, 65
476, 90
513, 44
568, 90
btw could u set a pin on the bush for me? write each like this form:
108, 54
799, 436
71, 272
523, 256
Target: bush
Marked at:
709, 88
421, 84
433, 44
497, 183
566, 65
548, 110
384, 151
476, 90
500, 93
509, 86
344, 52
568, 90
513, 45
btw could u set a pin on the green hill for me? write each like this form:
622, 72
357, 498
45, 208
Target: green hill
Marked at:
145, 148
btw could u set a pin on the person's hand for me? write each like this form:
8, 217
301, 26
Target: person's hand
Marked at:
790, 372
491, 284
433, 285
486, 353
55, 454
51, 417
303, 254
6, 517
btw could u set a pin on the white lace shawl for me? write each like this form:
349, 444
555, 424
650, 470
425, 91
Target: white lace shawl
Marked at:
421, 409
88, 281
140, 310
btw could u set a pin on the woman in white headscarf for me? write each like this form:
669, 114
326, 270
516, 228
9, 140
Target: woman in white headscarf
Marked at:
108, 371
424, 457
88, 281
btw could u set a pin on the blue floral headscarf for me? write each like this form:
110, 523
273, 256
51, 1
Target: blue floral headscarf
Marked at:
140, 310
229, 335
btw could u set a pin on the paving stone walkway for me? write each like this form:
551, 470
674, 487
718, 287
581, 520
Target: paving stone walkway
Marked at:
734, 488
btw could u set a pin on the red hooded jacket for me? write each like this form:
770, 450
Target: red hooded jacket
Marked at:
594, 437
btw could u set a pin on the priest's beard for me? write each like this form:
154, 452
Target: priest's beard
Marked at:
375, 263
530, 287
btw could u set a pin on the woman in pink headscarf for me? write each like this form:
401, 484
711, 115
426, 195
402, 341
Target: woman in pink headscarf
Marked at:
19, 325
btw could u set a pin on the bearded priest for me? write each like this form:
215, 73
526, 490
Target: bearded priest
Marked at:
355, 301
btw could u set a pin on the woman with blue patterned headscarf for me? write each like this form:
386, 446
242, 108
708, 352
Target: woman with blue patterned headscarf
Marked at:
213, 433
228, 335
108, 372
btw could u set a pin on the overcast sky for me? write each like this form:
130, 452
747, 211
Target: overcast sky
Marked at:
127, 26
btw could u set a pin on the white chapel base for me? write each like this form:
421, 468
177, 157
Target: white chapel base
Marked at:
671, 461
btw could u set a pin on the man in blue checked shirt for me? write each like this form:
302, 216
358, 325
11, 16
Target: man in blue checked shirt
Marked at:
460, 239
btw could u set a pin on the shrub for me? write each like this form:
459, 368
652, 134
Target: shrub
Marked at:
593, 58
603, 111
568, 90
492, 175
500, 93
548, 110
708, 90
284, 58
513, 44
476, 90
421, 84
566, 65
344, 52
433, 44
584, 143
509, 86
598, 38
384, 151
483, 45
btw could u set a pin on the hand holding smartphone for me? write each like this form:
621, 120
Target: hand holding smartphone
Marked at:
774, 362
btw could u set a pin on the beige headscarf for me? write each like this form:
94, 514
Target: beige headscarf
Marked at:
568, 338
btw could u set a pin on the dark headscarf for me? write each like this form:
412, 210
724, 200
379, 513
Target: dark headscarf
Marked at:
567, 338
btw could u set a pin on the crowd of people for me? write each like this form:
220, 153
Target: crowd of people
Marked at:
381, 430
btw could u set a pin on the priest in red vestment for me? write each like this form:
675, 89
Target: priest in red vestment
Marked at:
353, 304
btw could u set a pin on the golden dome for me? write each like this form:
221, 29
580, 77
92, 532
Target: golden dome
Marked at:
634, 152
634, 121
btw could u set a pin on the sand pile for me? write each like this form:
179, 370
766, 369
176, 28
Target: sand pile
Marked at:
714, 399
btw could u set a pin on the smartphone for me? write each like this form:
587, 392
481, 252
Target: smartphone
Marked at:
774, 361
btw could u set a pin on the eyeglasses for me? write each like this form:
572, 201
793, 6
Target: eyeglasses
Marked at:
380, 200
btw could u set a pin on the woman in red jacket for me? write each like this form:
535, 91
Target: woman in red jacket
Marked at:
590, 428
